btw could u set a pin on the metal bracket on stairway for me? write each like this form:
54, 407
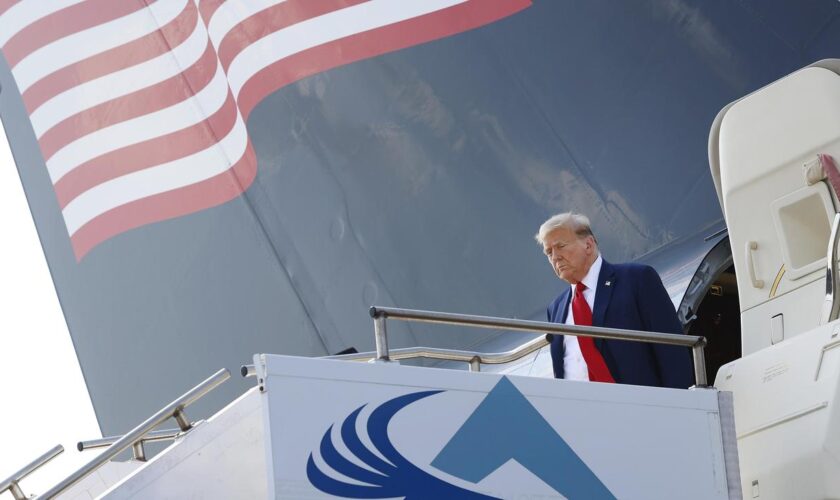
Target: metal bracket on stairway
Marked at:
174, 410
138, 448
12, 483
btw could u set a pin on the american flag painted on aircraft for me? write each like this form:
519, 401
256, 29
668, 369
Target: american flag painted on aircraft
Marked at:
139, 106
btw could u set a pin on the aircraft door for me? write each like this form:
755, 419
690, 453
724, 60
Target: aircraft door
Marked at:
777, 202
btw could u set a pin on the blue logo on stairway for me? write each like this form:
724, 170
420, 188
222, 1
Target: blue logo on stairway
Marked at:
504, 426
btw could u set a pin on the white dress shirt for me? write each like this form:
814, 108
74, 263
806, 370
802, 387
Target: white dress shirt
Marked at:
574, 366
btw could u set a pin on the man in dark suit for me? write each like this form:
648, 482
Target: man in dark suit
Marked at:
626, 296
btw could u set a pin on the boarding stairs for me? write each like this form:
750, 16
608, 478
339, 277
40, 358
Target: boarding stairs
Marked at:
365, 426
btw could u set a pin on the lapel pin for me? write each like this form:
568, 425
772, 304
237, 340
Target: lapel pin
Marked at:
607, 283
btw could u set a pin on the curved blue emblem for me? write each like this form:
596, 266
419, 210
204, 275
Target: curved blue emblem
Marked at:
396, 477
505, 426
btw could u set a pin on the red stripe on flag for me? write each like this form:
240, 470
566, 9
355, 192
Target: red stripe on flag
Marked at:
421, 29
196, 197
121, 57
208, 8
148, 100
273, 19
64, 22
170, 147
6, 5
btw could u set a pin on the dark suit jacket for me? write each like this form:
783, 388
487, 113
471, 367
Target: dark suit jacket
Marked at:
632, 297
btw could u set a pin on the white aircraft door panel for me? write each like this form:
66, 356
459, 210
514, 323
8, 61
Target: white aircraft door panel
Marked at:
778, 221
800, 311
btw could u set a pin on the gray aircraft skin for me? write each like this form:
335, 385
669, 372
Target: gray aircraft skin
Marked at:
417, 179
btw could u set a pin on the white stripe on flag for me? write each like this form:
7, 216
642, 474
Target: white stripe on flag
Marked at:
159, 179
22, 14
229, 14
92, 41
323, 29
121, 82
184, 114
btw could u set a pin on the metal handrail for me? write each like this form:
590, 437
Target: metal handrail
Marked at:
380, 314
138, 448
174, 410
11, 483
831, 306
161, 435
248, 371
475, 359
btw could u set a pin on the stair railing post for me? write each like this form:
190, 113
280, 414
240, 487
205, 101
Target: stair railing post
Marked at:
380, 333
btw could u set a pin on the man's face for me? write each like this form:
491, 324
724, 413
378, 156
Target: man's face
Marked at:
569, 255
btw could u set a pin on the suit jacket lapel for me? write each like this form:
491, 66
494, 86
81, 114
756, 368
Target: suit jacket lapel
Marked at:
603, 294
560, 346
567, 300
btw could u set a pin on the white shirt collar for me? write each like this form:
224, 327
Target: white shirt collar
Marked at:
591, 278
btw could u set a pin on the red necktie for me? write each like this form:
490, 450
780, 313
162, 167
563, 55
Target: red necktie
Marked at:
598, 371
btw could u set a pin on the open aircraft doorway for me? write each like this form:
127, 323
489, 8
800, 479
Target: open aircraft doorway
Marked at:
711, 308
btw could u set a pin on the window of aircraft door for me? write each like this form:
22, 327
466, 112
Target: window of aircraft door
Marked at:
803, 223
